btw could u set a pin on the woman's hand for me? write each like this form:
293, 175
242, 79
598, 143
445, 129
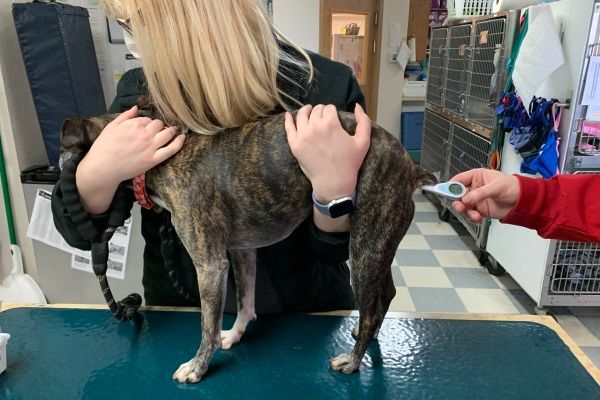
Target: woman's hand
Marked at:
128, 146
329, 157
491, 194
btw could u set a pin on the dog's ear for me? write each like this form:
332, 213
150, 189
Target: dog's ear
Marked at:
143, 103
73, 133
78, 134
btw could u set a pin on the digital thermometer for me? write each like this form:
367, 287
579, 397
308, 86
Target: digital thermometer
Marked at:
449, 190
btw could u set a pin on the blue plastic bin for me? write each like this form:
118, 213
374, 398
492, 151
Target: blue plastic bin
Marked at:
411, 129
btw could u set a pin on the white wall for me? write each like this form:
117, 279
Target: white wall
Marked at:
19, 129
299, 19
391, 76
5, 261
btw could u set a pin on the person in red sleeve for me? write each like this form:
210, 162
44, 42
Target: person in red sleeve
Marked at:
565, 207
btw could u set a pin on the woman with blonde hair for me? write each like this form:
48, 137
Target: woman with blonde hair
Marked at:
214, 64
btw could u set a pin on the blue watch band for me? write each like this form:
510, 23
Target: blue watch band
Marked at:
326, 208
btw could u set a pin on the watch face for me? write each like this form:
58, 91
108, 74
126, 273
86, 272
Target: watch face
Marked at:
341, 208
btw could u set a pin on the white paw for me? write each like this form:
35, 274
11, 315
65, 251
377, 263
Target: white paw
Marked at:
344, 363
230, 337
186, 373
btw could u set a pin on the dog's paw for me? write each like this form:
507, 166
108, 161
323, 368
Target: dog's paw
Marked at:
230, 337
344, 363
188, 372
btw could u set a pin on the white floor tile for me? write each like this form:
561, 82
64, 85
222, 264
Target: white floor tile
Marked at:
578, 332
436, 228
402, 301
457, 258
425, 207
430, 277
485, 301
414, 242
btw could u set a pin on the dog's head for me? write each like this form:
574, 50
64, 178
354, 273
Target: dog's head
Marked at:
78, 134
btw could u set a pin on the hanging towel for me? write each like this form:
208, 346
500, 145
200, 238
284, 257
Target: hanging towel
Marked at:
540, 54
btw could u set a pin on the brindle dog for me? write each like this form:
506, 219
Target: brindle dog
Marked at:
242, 189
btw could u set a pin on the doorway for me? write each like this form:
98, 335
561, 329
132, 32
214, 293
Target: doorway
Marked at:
350, 33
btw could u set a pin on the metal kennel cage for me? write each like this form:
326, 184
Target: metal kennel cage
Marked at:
449, 148
466, 75
436, 137
456, 74
486, 66
467, 151
466, 67
575, 269
573, 275
437, 66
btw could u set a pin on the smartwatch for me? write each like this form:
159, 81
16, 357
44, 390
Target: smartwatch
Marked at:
338, 207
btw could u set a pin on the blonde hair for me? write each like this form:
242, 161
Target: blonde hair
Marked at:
212, 64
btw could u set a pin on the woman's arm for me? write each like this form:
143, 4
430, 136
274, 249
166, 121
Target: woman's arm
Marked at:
566, 207
329, 156
128, 146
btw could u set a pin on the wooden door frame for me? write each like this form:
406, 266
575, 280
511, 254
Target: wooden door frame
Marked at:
325, 47
377, 65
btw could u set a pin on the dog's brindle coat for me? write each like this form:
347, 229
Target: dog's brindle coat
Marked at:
242, 189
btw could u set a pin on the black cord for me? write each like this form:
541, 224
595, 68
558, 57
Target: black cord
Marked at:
125, 309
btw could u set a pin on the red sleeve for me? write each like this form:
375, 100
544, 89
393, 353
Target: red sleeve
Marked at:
566, 207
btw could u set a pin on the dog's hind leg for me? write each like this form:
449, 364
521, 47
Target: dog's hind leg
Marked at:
381, 218
244, 270
385, 298
210, 259
372, 249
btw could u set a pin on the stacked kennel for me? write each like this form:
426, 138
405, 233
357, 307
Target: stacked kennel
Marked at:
466, 77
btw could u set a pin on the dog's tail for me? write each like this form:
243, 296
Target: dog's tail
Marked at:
423, 177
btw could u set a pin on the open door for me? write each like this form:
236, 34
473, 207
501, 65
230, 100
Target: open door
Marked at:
350, 33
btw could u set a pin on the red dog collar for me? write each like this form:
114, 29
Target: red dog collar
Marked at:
139, 189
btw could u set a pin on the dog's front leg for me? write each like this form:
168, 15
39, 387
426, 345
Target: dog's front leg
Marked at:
210, 259
244, 270
212, 280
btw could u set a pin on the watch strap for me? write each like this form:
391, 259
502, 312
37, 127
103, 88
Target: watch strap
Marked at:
324, 208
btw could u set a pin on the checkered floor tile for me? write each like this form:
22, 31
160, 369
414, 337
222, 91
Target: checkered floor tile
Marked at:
436, 269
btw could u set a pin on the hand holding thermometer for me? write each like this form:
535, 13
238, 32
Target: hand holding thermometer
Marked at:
450, 190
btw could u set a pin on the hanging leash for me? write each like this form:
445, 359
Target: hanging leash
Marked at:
127, 308
498, 139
